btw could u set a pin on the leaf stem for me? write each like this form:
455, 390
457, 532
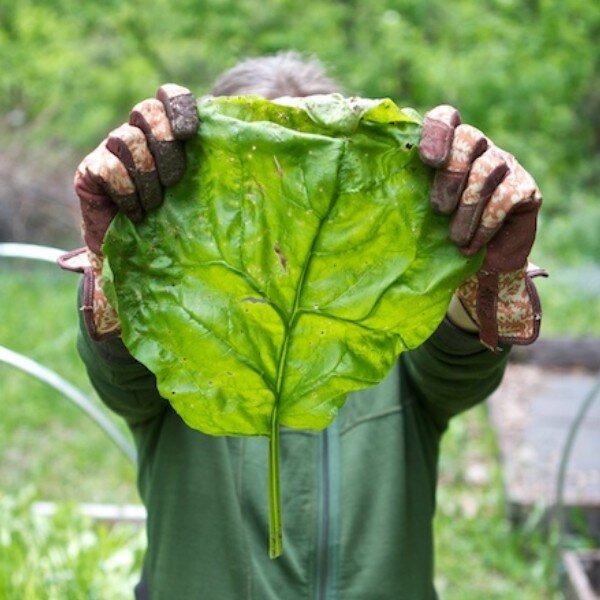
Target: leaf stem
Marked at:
275, 526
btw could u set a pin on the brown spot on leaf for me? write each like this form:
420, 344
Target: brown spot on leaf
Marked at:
281, 256
277, 166
254, 300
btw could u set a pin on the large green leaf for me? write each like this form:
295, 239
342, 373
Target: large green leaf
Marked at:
298, 258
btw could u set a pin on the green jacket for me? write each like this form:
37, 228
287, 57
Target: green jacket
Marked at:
358, 498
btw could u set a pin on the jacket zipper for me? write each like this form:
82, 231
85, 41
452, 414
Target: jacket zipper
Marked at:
329, 515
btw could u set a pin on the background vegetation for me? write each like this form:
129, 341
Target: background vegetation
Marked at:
527, 72
50, 451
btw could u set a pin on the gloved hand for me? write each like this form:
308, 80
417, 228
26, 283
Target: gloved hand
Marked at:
494, 202
127, 172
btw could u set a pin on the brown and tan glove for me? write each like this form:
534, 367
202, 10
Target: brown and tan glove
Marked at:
494, 203
127, 172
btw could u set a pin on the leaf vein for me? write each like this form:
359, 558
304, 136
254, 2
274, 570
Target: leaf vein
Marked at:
243, 359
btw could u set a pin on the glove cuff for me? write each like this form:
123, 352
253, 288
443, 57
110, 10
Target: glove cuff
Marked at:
101, 319
505, 306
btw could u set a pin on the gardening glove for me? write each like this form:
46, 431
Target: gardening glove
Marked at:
493, 202
127, 172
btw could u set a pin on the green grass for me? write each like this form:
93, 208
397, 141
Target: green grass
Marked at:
66, 556
570, 297
49, 450
44, 439
50, 447
479, 554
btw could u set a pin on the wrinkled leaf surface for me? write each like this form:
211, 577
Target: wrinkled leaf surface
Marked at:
293, 264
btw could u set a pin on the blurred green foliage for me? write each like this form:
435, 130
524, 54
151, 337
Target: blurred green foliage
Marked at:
526, 72
65, 556
514, 66
43, 438
49, 450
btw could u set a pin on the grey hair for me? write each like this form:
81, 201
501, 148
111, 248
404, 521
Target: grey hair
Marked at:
282, 74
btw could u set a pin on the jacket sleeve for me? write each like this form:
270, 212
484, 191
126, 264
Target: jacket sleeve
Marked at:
126, 386
452, 371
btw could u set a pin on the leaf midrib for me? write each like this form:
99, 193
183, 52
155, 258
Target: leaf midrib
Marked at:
289, 326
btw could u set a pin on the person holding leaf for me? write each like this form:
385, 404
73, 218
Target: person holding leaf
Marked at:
359, 496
